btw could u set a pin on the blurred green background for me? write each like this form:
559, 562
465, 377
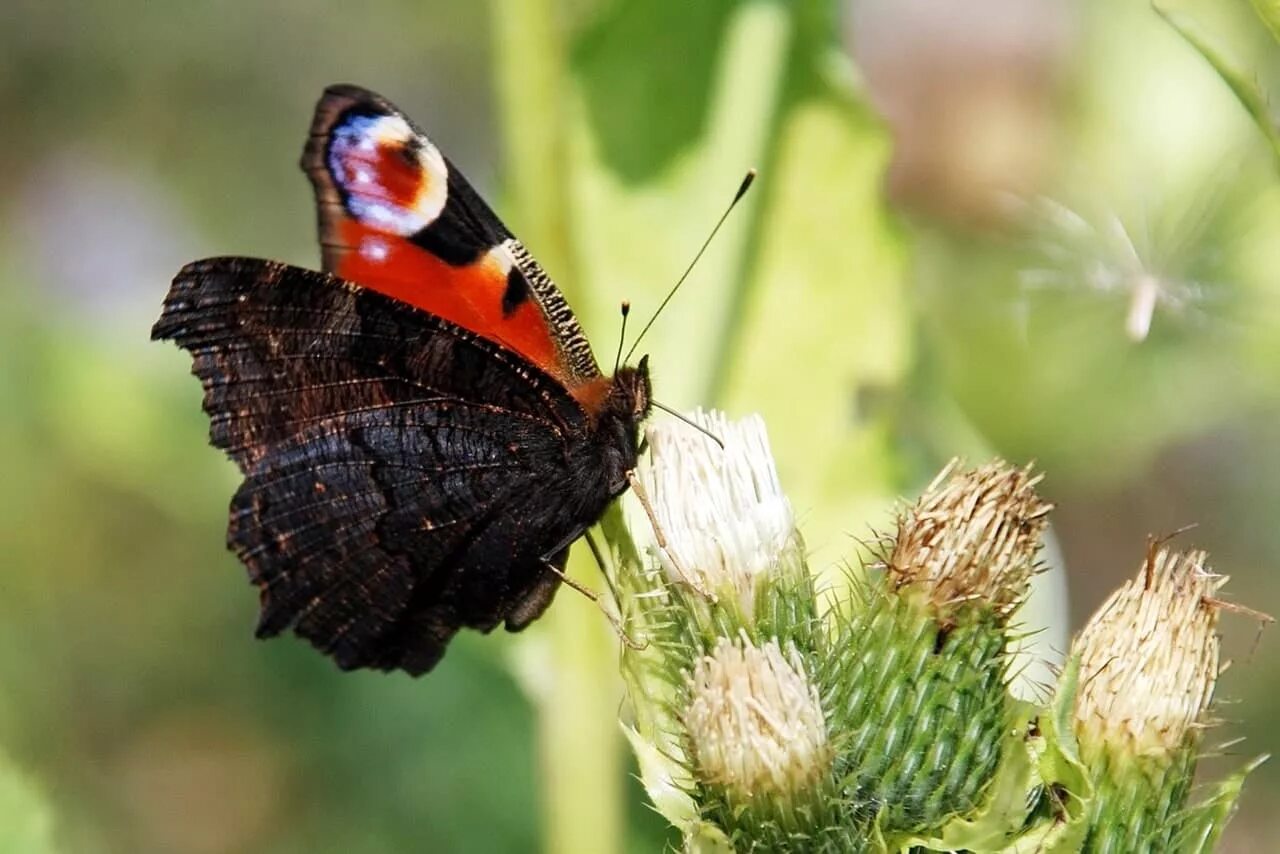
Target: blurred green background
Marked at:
1040, 228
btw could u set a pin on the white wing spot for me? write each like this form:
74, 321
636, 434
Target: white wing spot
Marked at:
373, 249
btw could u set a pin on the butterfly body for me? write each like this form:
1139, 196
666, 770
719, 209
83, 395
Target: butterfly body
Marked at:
422, 428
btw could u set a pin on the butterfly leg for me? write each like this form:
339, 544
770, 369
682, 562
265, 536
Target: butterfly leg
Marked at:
614, 620
685, 576
604, 565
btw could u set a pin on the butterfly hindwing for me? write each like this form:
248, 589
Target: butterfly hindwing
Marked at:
403, 476
396, 216
376, 546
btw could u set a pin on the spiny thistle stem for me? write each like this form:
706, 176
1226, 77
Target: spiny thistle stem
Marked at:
919, 683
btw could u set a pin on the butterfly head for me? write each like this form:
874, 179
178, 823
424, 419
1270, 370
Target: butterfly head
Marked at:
617, 423
630, 395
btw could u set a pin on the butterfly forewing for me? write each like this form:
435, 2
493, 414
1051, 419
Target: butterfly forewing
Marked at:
385, 450
398, 217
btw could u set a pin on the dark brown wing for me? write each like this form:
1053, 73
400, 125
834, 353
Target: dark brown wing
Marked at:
401, 473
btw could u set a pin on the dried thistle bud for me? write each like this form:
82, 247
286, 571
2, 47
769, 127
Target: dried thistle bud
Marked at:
754, 722
1148, 663
972, 535
919, 691
720, 518
1149, 658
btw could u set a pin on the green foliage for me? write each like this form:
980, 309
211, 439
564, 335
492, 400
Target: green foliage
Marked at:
739, 85
1244, 84
26, 824
735, 85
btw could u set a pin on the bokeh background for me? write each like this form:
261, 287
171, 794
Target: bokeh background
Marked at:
1040, 228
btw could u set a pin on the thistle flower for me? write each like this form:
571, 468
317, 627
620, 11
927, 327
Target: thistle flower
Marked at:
755, 725
720, 521
1149, 660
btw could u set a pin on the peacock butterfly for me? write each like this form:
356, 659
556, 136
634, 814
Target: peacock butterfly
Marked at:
422, 427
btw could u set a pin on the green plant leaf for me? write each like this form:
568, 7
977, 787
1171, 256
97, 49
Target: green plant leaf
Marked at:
706, 838
825, 319
26, 824
799, 305
1269, 12
649, 185
1203, 823
660, 775
1064, 780
1243, 84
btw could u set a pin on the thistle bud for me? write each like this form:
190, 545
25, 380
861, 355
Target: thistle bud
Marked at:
1149, 660
972, 537
755, 725
922, 686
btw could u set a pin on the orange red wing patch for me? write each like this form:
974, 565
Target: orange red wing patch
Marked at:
395, 217
470, 295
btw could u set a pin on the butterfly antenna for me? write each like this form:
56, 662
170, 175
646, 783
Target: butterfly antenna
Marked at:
737, 197
622, 336
694, 424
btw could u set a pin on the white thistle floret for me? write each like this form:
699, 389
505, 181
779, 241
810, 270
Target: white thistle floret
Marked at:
754, 721
722, 521
1149, 657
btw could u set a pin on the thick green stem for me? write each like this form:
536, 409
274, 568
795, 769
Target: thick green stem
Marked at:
580, 751
531, 76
